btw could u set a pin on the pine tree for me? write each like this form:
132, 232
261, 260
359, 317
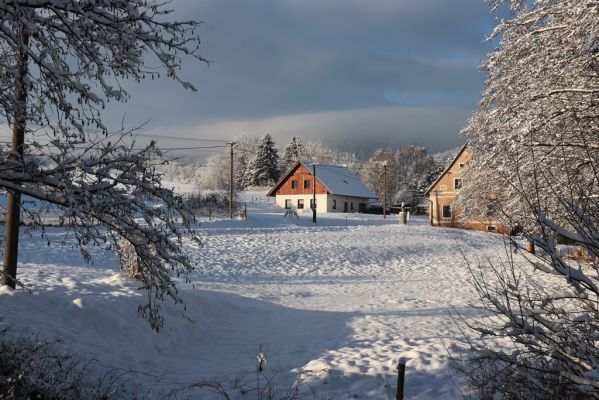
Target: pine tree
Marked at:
263, 169
241, 164
294, 151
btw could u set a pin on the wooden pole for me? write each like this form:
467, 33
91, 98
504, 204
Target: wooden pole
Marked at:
401, 380
314, 193
13, 206
231, 182
385, 191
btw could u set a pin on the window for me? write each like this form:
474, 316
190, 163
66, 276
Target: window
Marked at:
351, 206
462, 165
300, 204
457, 183
446, 211
288, 203
293, 184
312, 203
334, 204
307, 184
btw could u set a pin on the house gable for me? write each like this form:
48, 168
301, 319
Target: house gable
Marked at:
298, 173
330, 179
446, 181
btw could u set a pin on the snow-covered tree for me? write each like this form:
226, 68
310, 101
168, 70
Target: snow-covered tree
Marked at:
319, 152
409, 172
539, 108
61, 62
245, 145
215, 173
536, 155
263, 169
293, 151
372, 173
417, 170
241, 164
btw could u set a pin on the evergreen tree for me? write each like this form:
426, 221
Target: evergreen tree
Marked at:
263, 169
241, 164
294, 151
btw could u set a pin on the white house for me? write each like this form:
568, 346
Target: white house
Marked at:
337, 189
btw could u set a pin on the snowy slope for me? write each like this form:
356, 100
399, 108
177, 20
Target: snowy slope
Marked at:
340, 301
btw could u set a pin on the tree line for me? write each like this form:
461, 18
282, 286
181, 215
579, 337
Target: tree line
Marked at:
259, 164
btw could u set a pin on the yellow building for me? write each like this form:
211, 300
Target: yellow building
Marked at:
443, 192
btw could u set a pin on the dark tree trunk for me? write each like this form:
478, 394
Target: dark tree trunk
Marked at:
13, 209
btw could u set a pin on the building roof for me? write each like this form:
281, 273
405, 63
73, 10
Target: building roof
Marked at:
428, 190
337, 179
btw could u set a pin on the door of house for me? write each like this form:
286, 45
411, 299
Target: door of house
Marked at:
345, 206
362, 207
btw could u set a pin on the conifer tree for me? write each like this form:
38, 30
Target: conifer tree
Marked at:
241, 164
293, 151
263, 169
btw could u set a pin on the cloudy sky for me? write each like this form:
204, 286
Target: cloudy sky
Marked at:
395, 72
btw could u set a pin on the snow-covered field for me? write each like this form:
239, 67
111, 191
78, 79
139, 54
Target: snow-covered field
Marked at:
338, 302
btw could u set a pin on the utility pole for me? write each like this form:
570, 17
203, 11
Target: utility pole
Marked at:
13, 206
314, 193
231, 144
385, 191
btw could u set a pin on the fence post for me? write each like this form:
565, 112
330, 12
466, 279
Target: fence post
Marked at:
401, 379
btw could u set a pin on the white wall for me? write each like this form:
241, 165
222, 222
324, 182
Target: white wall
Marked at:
342, 199
321, 202
324, 203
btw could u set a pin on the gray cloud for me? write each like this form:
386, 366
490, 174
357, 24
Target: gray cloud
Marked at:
404, 70
434, 128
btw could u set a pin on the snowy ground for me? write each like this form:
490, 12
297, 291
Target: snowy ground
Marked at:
340, 301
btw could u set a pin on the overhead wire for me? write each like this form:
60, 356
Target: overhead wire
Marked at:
181, 138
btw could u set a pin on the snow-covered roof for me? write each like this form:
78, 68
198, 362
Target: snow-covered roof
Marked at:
340, 180
337, 179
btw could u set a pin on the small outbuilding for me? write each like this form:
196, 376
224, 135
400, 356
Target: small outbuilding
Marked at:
338, 189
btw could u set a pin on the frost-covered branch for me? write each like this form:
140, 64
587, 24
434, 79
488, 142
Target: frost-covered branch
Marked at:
61, 62
536, 166
107, 191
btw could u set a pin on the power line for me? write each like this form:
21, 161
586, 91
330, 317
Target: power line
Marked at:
189, 148
180, 138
